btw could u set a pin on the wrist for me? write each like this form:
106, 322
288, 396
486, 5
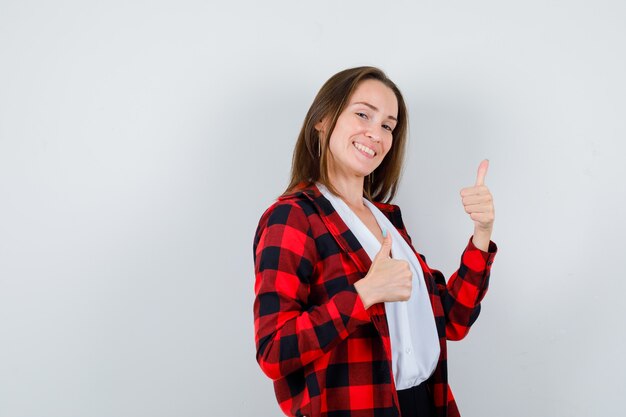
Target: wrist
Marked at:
364, 294
483, 232
481, 239
484, 228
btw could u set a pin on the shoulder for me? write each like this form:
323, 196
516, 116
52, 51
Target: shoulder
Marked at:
287, 209
285, 224
297, 205
283, 213
290, 211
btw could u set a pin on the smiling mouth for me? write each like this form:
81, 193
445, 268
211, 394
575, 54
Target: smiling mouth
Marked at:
365, 149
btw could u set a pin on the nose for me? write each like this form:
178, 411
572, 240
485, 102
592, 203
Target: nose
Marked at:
372, 134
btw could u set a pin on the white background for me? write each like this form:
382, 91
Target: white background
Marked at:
140, 141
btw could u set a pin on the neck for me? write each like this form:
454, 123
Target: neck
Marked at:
350, 189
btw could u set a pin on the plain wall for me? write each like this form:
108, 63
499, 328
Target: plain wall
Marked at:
140, 141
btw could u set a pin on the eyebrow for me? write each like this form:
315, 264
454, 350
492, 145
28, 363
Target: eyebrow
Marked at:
374, 108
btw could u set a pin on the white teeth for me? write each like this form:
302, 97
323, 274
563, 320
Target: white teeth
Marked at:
364, 148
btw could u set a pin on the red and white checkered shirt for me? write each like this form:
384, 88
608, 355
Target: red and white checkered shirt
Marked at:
327, 354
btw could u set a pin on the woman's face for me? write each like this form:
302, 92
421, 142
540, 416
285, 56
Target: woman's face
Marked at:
362, 136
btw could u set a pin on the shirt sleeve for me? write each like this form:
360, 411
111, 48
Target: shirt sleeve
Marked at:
289, 332
462, 293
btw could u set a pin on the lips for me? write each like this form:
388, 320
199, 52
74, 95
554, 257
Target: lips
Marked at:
369, 152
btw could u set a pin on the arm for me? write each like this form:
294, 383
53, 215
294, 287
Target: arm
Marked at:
289, 332
465, 289
462, 294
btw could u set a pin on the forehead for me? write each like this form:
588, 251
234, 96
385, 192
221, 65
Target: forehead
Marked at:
377, 94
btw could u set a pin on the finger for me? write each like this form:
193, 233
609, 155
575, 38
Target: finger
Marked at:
474, 189
482, 171
476, 199
385, 248
482, 217
478, 208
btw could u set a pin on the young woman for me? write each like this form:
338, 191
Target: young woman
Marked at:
349, 318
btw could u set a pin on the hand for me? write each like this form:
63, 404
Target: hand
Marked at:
478, 203
387, 279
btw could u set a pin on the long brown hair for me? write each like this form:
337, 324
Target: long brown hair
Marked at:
310, 155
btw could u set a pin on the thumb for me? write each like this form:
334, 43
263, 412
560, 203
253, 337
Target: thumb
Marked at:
385, 248
482, 171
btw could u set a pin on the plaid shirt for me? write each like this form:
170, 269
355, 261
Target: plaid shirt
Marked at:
327, 354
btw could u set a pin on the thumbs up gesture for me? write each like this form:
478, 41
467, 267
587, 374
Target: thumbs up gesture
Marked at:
387, 279
478, 203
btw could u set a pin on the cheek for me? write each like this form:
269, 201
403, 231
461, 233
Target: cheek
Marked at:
387, 145
342, 135
335, 144
351, 125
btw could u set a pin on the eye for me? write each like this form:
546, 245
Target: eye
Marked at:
361, 115
389, 128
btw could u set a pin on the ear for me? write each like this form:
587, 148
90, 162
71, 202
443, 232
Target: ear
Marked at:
321, 125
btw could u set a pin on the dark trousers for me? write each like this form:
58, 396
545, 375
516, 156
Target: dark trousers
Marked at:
416, 401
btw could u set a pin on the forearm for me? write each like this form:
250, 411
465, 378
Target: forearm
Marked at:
482, 238
463, 292
302, 336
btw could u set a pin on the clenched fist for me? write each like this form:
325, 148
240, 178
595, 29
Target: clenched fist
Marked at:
387, 280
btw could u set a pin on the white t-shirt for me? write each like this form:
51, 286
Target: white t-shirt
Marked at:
414, 339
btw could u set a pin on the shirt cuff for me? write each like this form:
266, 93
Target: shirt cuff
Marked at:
359, 311
477, 258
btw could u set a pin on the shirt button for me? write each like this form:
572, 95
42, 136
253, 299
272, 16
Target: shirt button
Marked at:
408, 351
